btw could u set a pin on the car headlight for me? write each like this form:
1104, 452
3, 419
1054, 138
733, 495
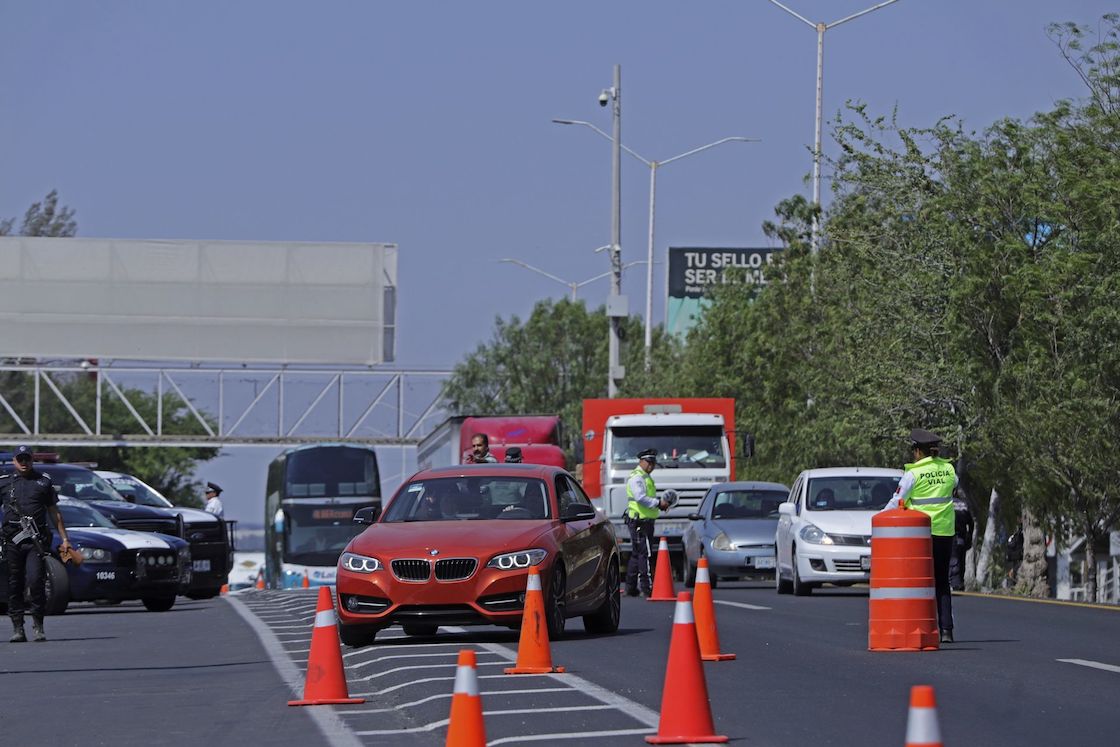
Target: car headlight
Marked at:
95, 555
721, 542
184, 556
359, 563
512, 561
815, 535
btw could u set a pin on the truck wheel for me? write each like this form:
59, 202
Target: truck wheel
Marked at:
57, 587
158, 604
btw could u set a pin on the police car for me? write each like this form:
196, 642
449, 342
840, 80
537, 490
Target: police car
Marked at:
118, 564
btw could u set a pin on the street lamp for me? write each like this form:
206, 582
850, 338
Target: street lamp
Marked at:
653, 166
573, 286
821, 28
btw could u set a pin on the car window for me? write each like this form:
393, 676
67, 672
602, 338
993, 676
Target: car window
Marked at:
747, 504
81, 516
145, 496
850, 492
470, 498
570, 494
76, 482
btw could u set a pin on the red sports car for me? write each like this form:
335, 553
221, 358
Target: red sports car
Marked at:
454, 546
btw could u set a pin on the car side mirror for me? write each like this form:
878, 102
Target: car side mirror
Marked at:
367, 515
695, 517
785, 509
577, 512
746, 445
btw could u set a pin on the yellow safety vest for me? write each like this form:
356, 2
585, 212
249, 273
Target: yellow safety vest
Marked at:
633, 507
934, 480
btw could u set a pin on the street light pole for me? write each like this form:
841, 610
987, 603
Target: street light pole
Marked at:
821, 28
615, 312
572, 286
653, 167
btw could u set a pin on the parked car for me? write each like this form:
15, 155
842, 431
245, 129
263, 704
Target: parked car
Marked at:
454, 547
824, 527
734, 529
211, 538
118, 564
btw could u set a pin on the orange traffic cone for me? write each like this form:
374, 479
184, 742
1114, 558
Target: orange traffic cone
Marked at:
686, 714
260, 578
533, 654
326, 680
705, 612
921, 723
465, 727
663, 576
224, 589
306, 581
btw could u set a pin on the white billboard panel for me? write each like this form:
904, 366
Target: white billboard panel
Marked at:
205, 301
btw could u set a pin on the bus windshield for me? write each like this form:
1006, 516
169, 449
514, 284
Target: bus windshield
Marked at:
332, 471
315, 534
684, 447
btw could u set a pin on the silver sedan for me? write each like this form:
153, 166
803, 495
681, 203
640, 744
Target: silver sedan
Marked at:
734, 529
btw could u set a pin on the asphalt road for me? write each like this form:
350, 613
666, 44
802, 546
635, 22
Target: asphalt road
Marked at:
1020, 673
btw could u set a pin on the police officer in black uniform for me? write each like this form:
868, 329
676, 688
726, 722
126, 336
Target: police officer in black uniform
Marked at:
28, 499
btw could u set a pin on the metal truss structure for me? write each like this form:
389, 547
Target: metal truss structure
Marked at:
87, 404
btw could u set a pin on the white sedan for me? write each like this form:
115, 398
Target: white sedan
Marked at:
824, 527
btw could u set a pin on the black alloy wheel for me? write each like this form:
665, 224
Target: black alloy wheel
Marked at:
555, 607
605, 619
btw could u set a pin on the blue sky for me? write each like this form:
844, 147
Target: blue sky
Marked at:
427, 124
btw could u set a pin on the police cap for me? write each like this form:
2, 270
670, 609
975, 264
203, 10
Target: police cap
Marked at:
213, 487
920, 437
648, 455
23, 450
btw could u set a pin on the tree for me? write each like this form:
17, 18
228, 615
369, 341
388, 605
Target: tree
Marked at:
44, 218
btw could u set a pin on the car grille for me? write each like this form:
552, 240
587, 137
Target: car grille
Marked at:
749, 546
851, 540
412, 570
206, 533
447, 569
163, 526
455, 569
847, 566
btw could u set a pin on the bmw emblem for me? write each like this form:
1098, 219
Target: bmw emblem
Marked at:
433, 552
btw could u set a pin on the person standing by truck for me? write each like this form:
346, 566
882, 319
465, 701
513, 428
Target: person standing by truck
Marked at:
480, 450
642, 511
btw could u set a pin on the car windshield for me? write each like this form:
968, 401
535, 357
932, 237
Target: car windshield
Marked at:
80, 483
681, 447
470, 498
145, 496
747, 504
850, 493
81, 516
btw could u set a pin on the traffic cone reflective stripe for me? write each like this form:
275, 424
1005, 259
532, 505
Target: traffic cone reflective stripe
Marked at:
663, 576
902, 609
533, 654
921, 723
325, 682
686, 713
306, 584
704, 610
465, 727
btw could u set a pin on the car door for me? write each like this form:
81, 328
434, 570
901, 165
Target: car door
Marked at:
696, 530
783, 534
583, 552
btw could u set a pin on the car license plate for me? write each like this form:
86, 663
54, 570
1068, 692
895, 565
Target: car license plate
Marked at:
763, 563
865, 563
201, 566
669, 528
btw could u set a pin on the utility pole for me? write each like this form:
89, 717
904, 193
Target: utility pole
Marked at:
616, 303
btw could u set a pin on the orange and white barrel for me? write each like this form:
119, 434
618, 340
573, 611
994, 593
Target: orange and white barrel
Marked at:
902, 611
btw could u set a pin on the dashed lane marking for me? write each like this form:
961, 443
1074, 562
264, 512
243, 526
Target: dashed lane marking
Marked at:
743, 605
1092, 664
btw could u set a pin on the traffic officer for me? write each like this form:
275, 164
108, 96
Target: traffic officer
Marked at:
962, 543
28, 494
927, 485
213, 502
641, 511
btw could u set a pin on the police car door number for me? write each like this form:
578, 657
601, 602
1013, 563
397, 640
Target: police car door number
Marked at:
106, 575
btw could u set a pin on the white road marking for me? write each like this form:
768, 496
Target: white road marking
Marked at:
744, 605
447, 696
1092, 664
514, 711
570, 735
375, 675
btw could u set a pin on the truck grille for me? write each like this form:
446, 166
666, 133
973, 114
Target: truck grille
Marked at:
455, 569
163, 526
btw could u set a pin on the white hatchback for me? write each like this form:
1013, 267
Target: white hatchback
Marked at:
824, 527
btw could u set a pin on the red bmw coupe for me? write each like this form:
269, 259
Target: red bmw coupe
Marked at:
454, 547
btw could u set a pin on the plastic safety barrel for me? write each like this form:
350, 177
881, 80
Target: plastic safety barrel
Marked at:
902, 612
